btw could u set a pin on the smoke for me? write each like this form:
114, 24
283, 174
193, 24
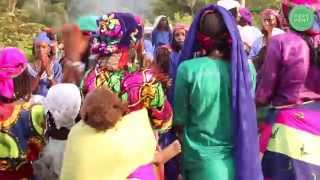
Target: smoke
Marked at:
97, 7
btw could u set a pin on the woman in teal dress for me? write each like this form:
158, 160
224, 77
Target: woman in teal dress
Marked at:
214, 104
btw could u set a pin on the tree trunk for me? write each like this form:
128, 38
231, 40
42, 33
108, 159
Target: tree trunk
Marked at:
12, 6
243, 3
38, 2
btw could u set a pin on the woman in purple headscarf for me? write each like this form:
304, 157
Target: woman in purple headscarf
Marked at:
116, 45
290, 84
45, 70
214, 105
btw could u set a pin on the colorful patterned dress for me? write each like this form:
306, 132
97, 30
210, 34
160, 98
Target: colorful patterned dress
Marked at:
139, 89
21, 132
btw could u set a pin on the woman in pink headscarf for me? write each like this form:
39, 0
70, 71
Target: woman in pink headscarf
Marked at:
21, 125
290, 84
270, 27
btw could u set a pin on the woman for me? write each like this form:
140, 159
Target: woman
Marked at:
248, 32
270, 27
21, 124
289, 83
179, 35
116, 47
161, 34
106, 143
76, 46
63, 104
160, 67
214, 105
45, 70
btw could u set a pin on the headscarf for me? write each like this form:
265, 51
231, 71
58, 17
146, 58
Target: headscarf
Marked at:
87, 23
42, 37
116, 33
271, 12
157, 21
180, 26
63, 102
174, 45
246, 15
12, 64
246, 151
228, 4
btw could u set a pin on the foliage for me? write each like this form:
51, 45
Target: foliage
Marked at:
16, 31
182, 18
20, 29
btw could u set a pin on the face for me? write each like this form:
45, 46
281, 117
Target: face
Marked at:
269, 21
180, 36
163, 22
42, 49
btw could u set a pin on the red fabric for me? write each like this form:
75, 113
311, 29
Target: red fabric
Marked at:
25, 171
124, 59
266, 132
5, 111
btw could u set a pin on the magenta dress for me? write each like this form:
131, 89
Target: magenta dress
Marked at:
289, 83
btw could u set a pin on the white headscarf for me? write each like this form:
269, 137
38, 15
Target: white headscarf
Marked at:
228, 4
157, 21
63, 101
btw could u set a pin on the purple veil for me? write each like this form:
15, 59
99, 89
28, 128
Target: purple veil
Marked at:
246, 150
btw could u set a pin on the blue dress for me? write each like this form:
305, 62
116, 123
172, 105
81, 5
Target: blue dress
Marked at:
160, 38
44, 83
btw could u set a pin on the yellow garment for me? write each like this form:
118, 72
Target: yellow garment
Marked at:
295, 143
110, 155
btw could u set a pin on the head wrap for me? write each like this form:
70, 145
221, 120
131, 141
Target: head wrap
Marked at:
42, 37
245, 135
271, 12
180, 26
63, 102
87, 23
246, 15
228, 4
157, 21
116, 32
12, 64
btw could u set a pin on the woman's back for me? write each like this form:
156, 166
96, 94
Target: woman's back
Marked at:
203, 89
112, 154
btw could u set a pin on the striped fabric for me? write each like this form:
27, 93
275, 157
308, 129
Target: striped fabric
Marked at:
293, 149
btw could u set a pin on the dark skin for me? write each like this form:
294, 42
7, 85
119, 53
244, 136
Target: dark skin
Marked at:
163, 24
42, 63
75, 47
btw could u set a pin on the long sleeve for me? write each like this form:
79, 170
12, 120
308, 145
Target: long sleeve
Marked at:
181, 100
153, 37
268, 75
58, 74
255, 48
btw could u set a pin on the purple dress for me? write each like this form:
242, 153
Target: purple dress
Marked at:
288, 77
284, 75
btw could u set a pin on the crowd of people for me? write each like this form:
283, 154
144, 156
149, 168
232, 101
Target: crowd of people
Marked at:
221, 99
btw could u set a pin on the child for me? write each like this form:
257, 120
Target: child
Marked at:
108, 143
63, 104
